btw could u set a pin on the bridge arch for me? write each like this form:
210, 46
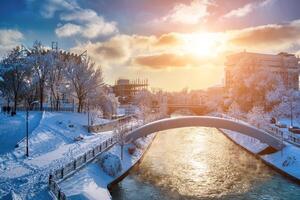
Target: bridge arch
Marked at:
205, 121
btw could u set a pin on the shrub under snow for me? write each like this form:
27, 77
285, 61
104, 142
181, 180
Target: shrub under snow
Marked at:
14, 196
111, 164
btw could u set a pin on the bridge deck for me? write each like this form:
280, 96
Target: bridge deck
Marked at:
205, 121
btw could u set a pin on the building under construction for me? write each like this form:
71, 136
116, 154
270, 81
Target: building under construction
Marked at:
125, 89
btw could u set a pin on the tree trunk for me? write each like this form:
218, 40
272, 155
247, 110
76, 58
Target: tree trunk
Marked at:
15, 102
79, 108
57, 103
41, 97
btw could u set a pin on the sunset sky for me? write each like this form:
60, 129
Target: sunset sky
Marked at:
173, 43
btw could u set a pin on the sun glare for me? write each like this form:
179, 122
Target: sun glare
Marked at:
203, 44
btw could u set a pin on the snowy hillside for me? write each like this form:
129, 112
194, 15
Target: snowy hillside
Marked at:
51, 145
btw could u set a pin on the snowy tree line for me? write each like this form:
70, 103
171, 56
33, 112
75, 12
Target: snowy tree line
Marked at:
38, 74
150, 102
259, 94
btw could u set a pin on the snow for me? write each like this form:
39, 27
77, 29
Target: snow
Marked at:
12, 128
111, 164
14, 196
85, 182
287, 121
290, 155
251, 144
51, 145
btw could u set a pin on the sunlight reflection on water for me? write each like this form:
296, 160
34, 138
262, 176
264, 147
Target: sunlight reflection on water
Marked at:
199, 163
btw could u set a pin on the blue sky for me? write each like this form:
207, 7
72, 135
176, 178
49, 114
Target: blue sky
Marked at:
27, 16
130, 38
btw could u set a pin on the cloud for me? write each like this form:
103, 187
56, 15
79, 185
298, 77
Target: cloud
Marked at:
78, 21
240, 12
161, 59
9, 38
246, 9
116, 50
188, 14
166, 60
50, 7
168, 39
153, 52
68, 30
175, 50
110, 52
122, 48
82, 15
272, 36
92, 25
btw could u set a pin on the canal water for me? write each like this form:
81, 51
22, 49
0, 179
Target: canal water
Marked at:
201, 163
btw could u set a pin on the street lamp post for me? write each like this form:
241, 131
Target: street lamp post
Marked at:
291, 107
27, 127
88, 114
289, 101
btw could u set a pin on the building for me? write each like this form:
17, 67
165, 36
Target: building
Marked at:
125, 89
287, 65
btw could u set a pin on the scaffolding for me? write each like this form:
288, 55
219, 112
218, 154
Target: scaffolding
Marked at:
126, 89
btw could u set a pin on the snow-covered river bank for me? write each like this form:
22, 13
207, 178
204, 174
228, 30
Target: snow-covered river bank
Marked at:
286, 161
92, 181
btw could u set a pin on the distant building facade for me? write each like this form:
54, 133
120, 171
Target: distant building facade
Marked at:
284, 64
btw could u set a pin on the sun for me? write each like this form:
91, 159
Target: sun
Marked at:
202, 44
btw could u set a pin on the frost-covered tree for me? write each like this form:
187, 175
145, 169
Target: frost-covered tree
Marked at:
143, 99
258, 117
56, 77
85, 80
41, 73
15, 73
234, 110
108, 104
255, 86
41, 61
288, 105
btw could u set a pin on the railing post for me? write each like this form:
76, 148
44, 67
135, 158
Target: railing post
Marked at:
50, 179
62, 173
58, 195
74, 164
84, 157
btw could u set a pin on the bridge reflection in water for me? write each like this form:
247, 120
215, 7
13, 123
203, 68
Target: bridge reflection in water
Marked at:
201, 163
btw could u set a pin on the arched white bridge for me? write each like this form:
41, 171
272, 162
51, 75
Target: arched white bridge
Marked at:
205, 121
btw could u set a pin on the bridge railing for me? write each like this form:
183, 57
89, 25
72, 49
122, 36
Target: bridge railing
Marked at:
70, 168
271, 129
110, 125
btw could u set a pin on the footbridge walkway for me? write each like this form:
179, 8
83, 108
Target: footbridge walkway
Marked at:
206, 121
